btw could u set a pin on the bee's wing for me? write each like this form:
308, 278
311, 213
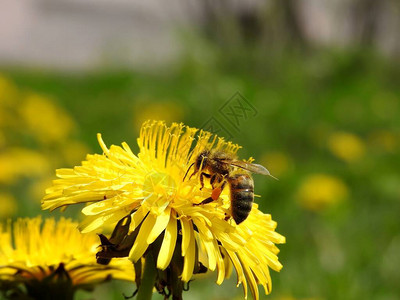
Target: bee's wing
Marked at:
254, 168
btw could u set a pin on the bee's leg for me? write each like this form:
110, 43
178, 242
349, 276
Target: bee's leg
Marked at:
223, 185
187, 171
202, 175
190, 177
217, 181
205, 201
212, 180
214, 195
217, 191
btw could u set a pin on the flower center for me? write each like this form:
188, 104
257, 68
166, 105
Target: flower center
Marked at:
159, 189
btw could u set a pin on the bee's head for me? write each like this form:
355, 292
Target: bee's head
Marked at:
202, 160
199, 164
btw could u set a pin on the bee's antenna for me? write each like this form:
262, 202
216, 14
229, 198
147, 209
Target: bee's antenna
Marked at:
187, 171
273, 177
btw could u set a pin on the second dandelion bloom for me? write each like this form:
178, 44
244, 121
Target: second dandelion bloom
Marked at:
157, 214
51, 260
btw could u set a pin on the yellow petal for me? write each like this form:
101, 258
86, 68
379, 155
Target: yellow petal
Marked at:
91, 223
185, 224
189, 258
227, 262
140, 245
209, 242
203, 229
230, 241
168, 244
65, 173
221, 268
159, 226
239, 271
252, 281
263, 278
210, 249
137, 218
99, 207
102, 144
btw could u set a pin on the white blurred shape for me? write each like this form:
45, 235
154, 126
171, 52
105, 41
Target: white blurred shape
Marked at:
70, 34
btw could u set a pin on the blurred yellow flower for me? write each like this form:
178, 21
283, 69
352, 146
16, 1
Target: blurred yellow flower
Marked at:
159, 211
20, 162
35, 135
8, 205
320, 191
52, 256
8, 91
38, 186
166, 110
346, 146
278, 162
48, 122
8, 97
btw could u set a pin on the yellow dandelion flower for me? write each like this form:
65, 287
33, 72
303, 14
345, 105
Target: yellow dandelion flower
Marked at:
52, 259
48, 122
17, 162
8, 91
319, 191
38, 187
162, 215
278, 162
8, 96
346, 146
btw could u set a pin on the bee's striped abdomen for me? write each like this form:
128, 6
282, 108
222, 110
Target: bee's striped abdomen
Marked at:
242, 196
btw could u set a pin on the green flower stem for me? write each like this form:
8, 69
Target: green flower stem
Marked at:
149, 276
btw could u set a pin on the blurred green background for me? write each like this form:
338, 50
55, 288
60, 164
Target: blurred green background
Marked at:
323, 118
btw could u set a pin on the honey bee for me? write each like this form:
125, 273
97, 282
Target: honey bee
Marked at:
219, 167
